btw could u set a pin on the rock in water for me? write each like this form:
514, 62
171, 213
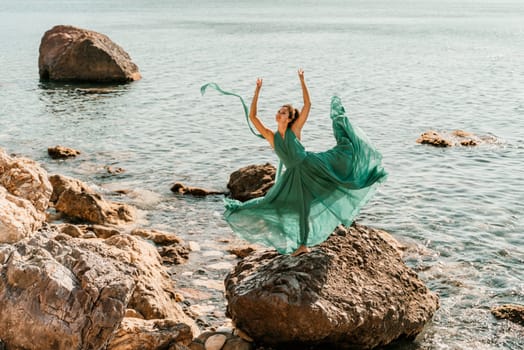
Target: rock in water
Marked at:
68, 53
61, 152
353, 291
513, 313
251, 181
77, 200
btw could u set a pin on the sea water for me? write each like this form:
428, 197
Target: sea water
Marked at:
401, 67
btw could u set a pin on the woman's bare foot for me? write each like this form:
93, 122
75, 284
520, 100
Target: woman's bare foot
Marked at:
301, 250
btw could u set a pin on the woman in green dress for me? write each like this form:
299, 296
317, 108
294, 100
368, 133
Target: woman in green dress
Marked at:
317, 191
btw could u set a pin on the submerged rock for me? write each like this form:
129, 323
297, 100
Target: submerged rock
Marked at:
61, 152
453, 138
352, 291
76, 200
68, 53
252, 181
513, 313
194, 191
25, 192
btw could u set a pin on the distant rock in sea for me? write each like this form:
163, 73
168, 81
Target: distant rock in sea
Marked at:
61, 152
68, 53
453, 138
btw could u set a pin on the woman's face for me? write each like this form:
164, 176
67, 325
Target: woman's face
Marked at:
282, 114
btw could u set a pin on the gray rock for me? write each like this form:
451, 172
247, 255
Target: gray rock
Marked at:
352, 291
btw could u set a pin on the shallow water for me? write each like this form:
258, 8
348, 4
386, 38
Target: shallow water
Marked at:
400, 67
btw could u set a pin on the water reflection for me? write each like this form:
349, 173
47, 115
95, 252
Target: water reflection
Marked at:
60, 98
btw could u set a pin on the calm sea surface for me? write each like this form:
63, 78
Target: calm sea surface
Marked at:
400, 67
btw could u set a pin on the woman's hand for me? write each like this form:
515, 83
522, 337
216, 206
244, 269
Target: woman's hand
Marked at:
301, 74
259, 84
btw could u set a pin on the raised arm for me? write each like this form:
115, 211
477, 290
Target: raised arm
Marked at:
262, 129
304, 113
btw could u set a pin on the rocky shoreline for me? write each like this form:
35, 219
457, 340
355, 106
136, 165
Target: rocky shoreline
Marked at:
78, 272
93, 279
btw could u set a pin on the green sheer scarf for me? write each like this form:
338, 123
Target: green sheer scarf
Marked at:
246, 114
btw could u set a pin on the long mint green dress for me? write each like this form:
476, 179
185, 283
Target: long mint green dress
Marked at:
315, 193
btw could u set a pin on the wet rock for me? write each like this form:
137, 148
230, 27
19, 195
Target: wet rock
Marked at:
354, 286
59, 295
434, 138
150, 334
513, 313
194, 191
242, 251
61, 152
114, 171
73, 54
251, 182
25, 192
171, 248
453, 138
76, 200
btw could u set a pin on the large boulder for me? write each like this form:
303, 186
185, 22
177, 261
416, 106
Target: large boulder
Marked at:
68, 293
24, 197
56, 295
77, 200
352, 291
251, 181
68, 53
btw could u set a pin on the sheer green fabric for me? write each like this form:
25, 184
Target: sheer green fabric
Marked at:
315, 193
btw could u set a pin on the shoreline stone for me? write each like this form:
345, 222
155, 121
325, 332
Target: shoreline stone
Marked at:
25, 193
75, 199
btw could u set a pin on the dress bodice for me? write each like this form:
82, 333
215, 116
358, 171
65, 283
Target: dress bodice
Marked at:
289, 149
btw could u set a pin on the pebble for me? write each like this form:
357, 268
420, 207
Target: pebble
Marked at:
215, 342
